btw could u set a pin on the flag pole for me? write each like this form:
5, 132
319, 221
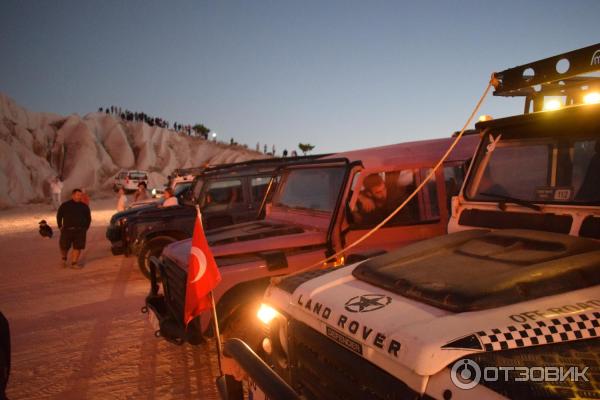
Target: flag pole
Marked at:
217, 334
213, 308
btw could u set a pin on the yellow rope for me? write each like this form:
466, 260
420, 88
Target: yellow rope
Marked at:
277, 279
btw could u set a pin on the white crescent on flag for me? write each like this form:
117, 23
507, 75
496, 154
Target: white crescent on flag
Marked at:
201, 259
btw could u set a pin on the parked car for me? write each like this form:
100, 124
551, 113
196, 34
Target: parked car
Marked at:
129, 180
313, 214
492, 310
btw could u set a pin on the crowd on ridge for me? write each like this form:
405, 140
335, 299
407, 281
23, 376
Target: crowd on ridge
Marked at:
127, 115
203, 132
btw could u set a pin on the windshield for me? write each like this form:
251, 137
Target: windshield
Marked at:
137, 175
181, 187
311, 189
546, 170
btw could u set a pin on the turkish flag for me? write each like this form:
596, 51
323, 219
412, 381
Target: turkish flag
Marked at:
203, 274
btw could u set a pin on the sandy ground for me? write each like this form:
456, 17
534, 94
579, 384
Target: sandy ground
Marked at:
79, 334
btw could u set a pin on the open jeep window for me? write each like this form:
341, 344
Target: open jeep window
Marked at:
381, 193
310, 188
546, 170
258, 187
181, 187
223, 193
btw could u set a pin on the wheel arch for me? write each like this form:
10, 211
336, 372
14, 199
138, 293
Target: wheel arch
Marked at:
237, 297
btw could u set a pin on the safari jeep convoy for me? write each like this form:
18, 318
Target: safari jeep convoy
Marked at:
319, 207
505, 306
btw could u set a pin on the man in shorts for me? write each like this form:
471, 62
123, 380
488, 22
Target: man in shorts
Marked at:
73, 219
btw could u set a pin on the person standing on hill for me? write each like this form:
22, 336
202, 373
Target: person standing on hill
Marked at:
56, 187
73, 219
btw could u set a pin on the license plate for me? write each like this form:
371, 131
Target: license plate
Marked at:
254, 392
153, 320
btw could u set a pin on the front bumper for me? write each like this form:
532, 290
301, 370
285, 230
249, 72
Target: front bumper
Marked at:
114, 233
265, 378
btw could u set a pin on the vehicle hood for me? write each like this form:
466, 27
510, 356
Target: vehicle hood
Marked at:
158, 213
130, 211
389, 328
248, 238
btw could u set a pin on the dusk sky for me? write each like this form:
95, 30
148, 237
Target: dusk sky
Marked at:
340, 75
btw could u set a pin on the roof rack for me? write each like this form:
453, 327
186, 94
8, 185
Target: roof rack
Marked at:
187, 171
242, 164
558, 75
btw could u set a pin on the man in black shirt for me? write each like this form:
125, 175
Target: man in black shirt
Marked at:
73, 219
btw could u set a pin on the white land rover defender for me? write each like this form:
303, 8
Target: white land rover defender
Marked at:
505, 306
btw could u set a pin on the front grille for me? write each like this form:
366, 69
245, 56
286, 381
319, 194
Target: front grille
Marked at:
322, 369
174, 281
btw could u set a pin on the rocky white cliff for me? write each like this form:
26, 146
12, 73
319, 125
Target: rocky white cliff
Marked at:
89, 151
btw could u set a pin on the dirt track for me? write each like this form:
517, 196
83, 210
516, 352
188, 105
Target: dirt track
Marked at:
79, 334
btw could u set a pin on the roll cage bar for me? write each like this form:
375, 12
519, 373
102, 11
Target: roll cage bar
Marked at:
243, 164
538, 79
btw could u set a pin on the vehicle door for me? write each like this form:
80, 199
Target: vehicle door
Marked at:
423, 217
223, 202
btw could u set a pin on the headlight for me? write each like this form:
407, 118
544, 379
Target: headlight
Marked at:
552, 105
266, 313
275, 342
592, 98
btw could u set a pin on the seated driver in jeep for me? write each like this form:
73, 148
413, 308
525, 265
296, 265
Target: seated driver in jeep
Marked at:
376, 202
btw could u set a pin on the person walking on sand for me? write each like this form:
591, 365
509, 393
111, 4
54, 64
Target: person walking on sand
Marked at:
141, 193
73, 219
56, 187
122, 201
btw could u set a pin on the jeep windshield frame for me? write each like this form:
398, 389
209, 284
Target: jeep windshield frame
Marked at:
298, 183
541, 160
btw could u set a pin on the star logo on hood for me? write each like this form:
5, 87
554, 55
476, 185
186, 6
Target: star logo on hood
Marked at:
367, 303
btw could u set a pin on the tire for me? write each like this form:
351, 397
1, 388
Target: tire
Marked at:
154, 247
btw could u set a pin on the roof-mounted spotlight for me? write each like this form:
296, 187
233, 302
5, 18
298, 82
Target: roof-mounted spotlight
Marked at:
552, 105
591, 98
